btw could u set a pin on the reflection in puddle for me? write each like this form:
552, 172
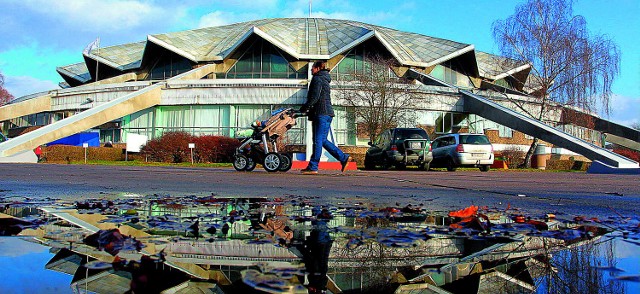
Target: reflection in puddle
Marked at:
229, 245
23, 262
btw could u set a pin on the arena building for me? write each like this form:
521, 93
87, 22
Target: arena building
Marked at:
218, 80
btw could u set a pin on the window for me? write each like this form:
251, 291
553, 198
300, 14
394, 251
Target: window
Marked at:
445, 73
168, 66
505, 132
410, 134
474, 139
353, 64
384, 137
503, 83
263, 61
449, 122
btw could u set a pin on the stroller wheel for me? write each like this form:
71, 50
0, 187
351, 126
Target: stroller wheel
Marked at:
272, 162
285, 164
240, 162
251, 164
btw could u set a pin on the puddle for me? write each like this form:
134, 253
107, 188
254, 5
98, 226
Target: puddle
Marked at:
22, 262
303, 245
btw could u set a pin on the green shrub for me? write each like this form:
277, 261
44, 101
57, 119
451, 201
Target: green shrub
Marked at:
215, 148
628, 153
513, 156
65, 153
174, 147
170, 147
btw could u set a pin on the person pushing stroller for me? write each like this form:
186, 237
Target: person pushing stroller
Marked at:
320, 112
260, 143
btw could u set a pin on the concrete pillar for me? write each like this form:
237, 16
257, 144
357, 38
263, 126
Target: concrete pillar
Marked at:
540, 157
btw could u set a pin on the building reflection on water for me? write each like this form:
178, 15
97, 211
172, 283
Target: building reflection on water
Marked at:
230, 245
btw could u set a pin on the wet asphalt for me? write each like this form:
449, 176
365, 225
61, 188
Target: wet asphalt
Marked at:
565, 194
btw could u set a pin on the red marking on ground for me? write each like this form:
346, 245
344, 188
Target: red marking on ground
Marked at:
324, 165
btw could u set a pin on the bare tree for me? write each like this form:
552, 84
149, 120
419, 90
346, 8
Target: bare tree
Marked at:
378, 96
569, 66
5, 96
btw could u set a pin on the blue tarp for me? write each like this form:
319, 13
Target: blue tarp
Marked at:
77, 139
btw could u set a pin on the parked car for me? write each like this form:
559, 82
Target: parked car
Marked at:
399, 147
462, 150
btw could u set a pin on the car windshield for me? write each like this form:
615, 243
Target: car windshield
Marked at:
402, 134
474, 139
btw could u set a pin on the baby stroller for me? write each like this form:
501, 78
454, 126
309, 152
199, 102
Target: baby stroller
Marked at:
256, 148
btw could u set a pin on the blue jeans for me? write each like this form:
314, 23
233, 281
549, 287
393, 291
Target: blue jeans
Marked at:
321, 126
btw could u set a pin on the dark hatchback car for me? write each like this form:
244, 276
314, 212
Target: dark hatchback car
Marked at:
399, 147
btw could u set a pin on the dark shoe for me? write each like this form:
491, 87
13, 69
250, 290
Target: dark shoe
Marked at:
345, 163
307, 171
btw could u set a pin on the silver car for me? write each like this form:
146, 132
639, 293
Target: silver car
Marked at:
462, 150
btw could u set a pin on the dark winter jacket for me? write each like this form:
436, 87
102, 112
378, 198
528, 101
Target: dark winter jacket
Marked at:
319, 96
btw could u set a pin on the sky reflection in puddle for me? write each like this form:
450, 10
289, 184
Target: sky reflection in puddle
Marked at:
298, 245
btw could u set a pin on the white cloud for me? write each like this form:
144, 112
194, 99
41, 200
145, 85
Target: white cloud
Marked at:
253, 4
20, 86
107, 15
625, 110
220, 18
342, 10
217, 18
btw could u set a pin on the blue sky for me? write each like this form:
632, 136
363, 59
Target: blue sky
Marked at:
38, 35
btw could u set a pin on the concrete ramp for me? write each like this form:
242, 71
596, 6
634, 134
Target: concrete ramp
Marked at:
635, 145
486, 108
618, 134
27, 156
30, 105
93, 117
103, 113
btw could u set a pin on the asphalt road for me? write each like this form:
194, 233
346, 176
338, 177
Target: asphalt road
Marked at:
534, 192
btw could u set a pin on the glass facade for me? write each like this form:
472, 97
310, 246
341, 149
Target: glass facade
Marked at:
227, 120
168, 66
141, 122
449, 122
504, 83
450, 76
589, 135
354, 64
262, 60
38, 119
111, 135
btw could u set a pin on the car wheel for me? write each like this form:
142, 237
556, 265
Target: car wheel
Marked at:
240, 162
401, 166
251, 164
484, 168
368, 163
285, 165
272, 162
451, 166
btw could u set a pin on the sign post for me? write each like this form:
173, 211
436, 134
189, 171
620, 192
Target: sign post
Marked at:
134, 144
191, 146
85, 145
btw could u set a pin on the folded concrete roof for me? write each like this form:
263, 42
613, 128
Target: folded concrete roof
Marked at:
496, 67
302, 38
